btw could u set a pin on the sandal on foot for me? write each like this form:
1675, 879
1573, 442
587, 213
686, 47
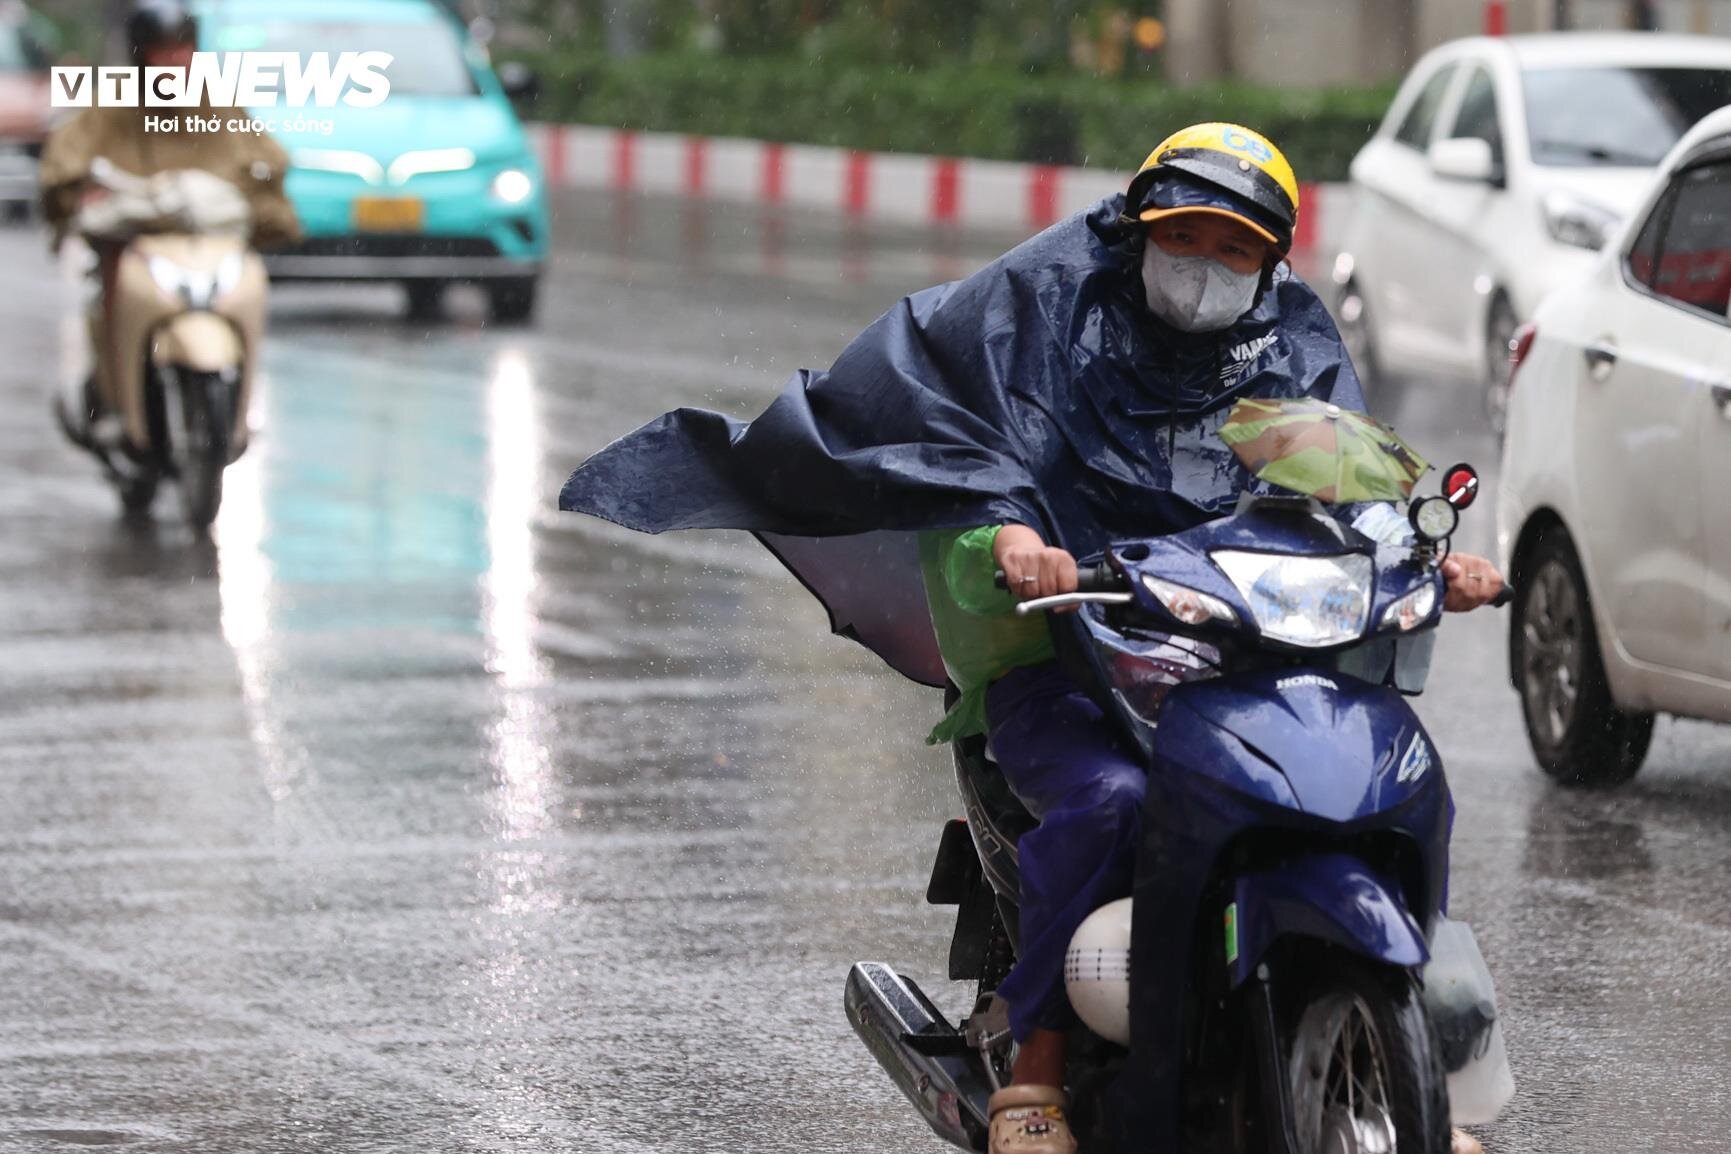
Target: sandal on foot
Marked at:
1029, 1120
1463, 1143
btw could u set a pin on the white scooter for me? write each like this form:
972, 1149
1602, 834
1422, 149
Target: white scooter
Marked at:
175, 328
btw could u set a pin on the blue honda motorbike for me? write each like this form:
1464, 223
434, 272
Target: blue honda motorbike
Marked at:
1294, 856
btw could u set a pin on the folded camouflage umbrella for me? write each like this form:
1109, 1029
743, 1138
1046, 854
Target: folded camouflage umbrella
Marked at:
1322, 450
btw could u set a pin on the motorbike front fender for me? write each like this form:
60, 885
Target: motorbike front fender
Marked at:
1333, 898
200, 341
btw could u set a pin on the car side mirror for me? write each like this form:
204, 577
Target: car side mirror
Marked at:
519, 82
1464, 158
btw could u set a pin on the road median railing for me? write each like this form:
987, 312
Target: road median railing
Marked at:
886, 186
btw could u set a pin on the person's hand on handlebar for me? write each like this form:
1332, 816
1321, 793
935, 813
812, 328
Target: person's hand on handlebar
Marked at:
1472, 582
1031, 567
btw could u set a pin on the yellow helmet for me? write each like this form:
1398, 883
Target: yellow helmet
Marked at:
1225, 169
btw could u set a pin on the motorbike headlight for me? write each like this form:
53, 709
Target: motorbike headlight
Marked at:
1574, 221
169, 277
1189, 605
229, 272
513, 186
195, 288
1412, 610
1311, 602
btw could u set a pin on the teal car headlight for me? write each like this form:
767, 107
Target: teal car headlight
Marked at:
513, 186
341, 160
425, 161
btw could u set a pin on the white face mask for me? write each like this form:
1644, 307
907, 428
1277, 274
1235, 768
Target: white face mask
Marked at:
1197, 294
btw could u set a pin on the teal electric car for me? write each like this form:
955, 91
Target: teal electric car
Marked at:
436, 184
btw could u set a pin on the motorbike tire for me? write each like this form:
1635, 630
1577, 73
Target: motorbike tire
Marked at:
1588, 741
1000, 955
207, 422
137, 492
1367, 1022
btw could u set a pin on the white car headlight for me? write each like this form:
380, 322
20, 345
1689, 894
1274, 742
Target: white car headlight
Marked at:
1312, 602
1412, 610
513, 186
1573, 220
1189, 605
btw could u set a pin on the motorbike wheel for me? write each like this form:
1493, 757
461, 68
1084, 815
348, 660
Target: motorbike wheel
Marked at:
202, 455
137, 491
1363, 1068
1577, 733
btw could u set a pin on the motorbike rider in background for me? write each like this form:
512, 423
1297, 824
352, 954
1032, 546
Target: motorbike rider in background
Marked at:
1066, 395
159, 34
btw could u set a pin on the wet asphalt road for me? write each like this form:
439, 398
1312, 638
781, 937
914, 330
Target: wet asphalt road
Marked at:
411, 815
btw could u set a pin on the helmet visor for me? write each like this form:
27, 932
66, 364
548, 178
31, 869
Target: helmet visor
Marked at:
1171, 196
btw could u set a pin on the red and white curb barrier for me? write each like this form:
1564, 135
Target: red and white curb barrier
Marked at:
887, 186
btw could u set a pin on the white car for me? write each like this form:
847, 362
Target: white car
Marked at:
1501, 167
1614, 513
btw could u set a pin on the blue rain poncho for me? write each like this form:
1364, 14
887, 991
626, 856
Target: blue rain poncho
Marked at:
1039, 390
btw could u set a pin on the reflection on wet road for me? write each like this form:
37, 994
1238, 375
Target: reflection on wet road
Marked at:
411, 814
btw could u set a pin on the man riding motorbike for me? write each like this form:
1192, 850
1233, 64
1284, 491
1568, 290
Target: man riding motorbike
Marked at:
1066, 395
159, 34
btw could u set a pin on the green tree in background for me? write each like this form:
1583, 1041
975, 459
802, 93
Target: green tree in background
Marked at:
1049, 81
1030, 35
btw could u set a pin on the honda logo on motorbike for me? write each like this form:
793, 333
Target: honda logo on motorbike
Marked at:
1302, 680
232, 80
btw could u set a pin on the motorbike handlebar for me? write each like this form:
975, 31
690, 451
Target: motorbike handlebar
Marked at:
1102, 578
1099, 578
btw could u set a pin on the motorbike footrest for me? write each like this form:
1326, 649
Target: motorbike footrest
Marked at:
928, 1059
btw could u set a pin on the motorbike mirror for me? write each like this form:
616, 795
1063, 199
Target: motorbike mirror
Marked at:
1461, 485
1434, 518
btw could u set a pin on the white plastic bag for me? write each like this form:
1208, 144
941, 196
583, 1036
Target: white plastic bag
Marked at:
1461, 1000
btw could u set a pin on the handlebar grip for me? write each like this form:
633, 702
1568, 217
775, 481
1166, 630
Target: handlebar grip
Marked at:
1504, 596
1101, 578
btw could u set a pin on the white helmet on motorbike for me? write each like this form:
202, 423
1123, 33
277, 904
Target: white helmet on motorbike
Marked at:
1097, 971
